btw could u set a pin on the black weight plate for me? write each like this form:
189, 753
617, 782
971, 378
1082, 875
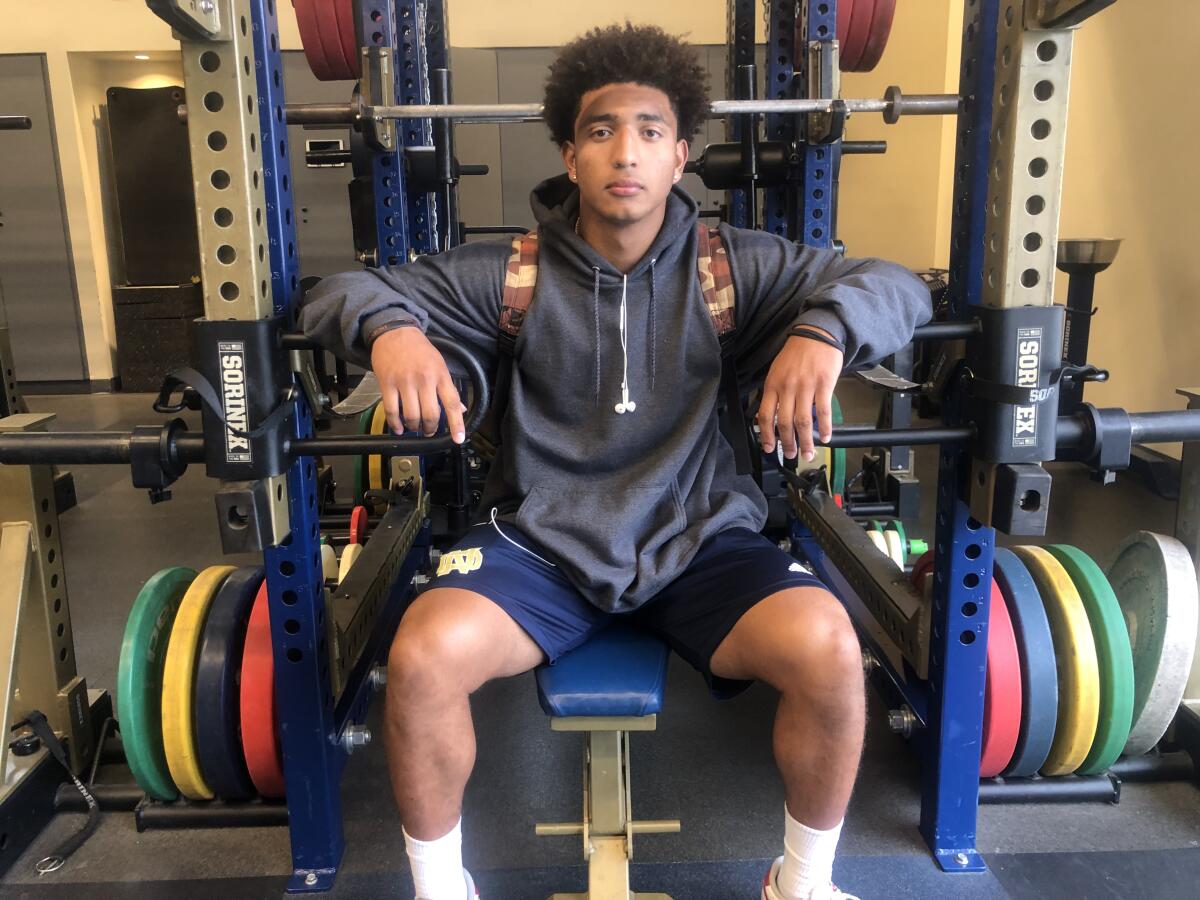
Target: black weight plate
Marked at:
218, 672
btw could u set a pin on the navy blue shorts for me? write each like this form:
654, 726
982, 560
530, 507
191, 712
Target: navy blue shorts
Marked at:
731, 572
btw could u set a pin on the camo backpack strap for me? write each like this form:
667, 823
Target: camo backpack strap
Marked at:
519, 281
716, 280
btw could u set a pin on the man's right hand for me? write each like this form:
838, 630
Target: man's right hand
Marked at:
416, 384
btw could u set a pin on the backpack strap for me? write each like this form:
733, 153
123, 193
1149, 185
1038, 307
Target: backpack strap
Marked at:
520, 277
716, 283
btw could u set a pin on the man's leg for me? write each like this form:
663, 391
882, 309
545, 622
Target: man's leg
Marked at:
450, 642
801, 642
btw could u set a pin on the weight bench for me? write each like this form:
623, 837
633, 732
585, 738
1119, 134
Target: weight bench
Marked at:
608, 687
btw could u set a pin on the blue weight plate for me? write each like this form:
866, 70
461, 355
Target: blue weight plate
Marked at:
1039, 678
218, 671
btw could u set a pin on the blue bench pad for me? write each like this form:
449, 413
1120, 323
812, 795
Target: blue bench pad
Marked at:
618, 672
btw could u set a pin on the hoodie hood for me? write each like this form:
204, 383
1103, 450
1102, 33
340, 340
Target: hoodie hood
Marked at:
555, 205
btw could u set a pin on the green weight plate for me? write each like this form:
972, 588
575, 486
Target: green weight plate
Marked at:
899, 526
837, 478
1112, 655
1155, 583
140, 675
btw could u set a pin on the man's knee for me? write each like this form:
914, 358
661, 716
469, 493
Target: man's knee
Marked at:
818, 646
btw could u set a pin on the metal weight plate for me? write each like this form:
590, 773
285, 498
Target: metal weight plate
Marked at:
1035, 653
179, 681
217, 695
1113, 656
1002, 698
310, 39
358, 525
881, 30
260, 737
140, 676
1154, 581
1075, 658
349, 555
346, 29
360, 462
857, 31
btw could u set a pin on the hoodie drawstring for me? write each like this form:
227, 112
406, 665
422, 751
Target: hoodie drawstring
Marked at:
653, 331
626, 404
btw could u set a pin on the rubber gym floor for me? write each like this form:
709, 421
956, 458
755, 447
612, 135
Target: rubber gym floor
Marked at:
708, 764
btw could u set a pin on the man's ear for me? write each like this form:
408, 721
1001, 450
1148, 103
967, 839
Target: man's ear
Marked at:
681, 157
568, 155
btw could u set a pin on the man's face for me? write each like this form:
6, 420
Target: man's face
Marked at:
625, 156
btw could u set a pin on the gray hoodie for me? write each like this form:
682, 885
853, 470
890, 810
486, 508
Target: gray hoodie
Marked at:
621, 503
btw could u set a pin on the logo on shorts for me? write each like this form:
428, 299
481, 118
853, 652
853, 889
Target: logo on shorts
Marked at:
796, 567
462, 561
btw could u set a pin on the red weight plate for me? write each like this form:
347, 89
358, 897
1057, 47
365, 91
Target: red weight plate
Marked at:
331, 40
310, 39
881, 29
843, 20
260, 742
350, 48
856, 34
1002, 694
358, 525
921, 568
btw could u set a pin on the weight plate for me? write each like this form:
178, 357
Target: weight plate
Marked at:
348, 33
310, 38
360, 462
375, 467
899, 526
843, 20
881, 29
1002, 690
837, 478
358, 525
1075, 659
895, 547
1035, 654
857, 32
1154, 581
329, 562
1113, 656
140, 676
922, 568
331, 40
349, 555
878, 541
217, 698
260, 737
179, 681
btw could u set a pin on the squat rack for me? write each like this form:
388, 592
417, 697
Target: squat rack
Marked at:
240, 151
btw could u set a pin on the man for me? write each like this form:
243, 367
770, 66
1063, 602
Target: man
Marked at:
614, 492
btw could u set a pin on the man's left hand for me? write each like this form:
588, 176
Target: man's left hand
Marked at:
802, 377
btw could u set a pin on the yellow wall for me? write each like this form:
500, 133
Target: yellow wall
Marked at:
1131, 173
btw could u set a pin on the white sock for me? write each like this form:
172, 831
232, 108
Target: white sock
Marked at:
807, 869
437, 866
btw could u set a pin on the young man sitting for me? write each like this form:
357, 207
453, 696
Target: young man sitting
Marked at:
614, 493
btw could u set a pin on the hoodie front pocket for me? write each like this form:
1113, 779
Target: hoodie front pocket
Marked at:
605, 536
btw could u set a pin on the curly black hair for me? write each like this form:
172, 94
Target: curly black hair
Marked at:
643, 54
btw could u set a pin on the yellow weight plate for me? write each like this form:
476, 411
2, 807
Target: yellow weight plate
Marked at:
879, 542
895, 547
179, 679
375, 469
1075, 659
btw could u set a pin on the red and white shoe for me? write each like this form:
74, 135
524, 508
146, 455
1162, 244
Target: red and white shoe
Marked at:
770, 890
472, 891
